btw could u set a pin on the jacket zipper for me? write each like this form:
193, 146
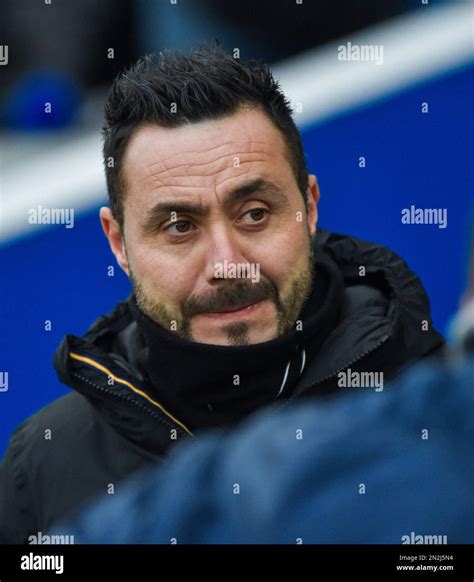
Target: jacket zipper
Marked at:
131, 401
290, 401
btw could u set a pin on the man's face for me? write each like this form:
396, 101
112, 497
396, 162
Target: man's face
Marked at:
216, 239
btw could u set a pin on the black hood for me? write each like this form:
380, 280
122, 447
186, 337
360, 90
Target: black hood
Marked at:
384, 324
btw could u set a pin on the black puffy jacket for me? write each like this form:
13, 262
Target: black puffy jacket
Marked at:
83, 444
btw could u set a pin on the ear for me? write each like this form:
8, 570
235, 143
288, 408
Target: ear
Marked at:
114, 234
312, 196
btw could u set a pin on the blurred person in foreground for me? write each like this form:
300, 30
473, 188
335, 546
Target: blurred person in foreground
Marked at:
238, 300
394, 467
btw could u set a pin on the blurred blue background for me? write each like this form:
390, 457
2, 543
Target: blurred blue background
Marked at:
61, 275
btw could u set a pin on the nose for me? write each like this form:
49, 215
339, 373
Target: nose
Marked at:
223, 249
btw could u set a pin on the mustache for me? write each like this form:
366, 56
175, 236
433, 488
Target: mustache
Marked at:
230, 297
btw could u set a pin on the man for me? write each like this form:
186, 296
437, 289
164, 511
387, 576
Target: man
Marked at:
237, 301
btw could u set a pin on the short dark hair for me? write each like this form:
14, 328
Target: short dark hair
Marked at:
206, 84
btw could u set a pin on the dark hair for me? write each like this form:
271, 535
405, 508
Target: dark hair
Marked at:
207, 84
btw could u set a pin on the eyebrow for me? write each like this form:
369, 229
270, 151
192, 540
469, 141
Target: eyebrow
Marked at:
163, 209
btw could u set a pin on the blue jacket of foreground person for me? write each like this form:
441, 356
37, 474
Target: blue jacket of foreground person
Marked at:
394, 466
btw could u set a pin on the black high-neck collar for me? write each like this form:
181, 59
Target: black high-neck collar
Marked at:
210, 385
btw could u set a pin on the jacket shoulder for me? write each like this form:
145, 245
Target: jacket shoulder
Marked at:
64, 414
27, 450
59, 419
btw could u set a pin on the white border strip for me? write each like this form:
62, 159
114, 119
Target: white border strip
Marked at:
416, 46
70, 175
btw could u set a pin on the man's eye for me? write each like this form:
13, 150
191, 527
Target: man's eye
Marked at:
256, 215
181, 226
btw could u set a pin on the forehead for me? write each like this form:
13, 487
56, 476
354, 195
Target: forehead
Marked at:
204, 155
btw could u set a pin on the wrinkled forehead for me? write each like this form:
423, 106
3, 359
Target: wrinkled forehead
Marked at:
203, 154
